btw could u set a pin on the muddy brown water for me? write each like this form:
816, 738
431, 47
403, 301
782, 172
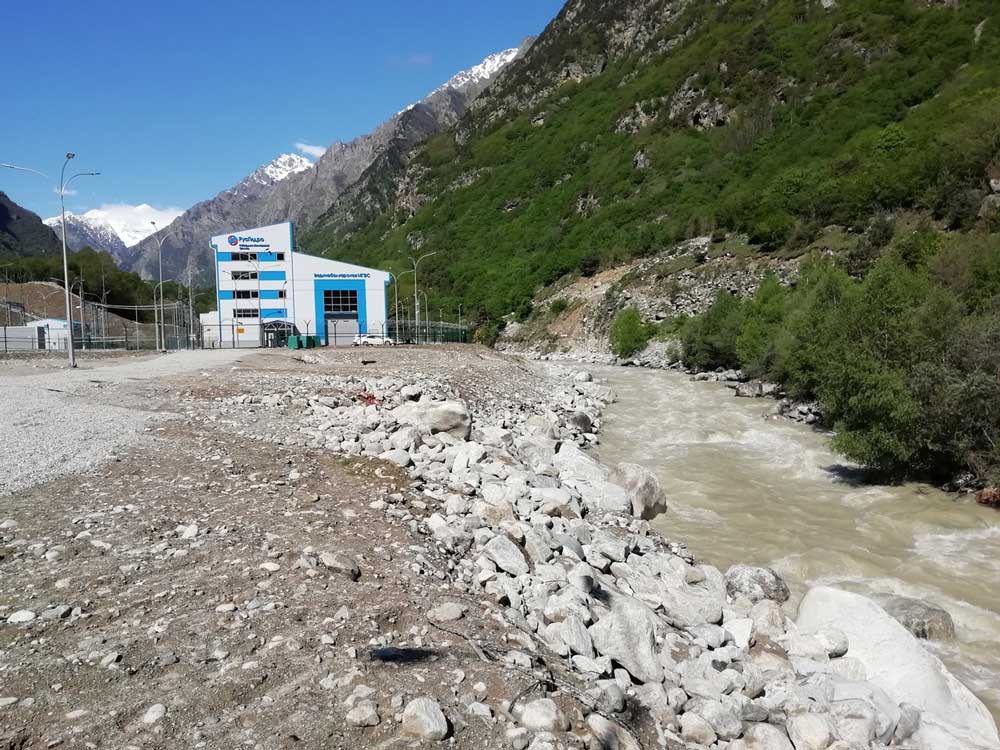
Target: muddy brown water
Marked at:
746, 488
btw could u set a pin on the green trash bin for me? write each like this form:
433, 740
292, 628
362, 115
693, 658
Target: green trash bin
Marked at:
294, 343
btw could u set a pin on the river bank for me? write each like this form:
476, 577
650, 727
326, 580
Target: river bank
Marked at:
491, 583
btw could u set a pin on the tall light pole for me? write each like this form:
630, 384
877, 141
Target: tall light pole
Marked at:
461, 334
161, 330
63, 184
396, 279
416, 300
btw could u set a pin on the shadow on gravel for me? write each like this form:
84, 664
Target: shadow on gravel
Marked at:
394, 655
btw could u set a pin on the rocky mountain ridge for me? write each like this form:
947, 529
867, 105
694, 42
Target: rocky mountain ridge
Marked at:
22, 232
87, 230
290, 188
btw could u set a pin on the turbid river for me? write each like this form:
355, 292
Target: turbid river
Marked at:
745, 488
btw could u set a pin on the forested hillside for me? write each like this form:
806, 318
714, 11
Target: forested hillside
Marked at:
630, 126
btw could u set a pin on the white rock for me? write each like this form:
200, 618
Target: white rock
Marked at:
154, 713
766, 737
424, 720
21, 617
451, 417
809, 731
610, 735
643, 488
626, 634
696, 729
895, 660
447, 612
397, 456
507, 555
755, 583
544, 715
363, 715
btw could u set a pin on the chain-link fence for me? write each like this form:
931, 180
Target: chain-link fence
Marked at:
337, 333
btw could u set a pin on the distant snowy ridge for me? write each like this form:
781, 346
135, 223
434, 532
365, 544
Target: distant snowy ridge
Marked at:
129, 224
484, 71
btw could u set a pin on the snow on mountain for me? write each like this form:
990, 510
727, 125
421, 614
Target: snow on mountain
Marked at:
280, 169
113, 226
484, 71
89, 230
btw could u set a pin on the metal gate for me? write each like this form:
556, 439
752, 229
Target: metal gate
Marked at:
341, 331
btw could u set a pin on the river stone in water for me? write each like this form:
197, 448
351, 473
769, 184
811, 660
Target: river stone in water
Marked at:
921, 618
643, 488
755, 583
896, 662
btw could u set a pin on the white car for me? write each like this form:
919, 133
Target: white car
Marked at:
372, 339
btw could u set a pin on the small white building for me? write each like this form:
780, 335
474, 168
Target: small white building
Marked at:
57, 332
266, 292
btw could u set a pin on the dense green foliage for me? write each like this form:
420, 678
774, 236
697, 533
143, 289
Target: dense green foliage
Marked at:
832, 115
628, 333
905, 361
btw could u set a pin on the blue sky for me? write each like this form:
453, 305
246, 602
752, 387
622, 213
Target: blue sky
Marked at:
173, 102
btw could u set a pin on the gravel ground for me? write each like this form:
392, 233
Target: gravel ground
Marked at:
58, 421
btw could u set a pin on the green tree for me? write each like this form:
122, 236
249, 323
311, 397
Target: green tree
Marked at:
629, 334
710, 339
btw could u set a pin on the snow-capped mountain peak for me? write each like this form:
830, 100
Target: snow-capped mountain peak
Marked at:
280, 169
113, 226
484, 71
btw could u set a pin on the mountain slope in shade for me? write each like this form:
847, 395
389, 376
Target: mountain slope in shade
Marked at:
89, 230
290, 188
23, 232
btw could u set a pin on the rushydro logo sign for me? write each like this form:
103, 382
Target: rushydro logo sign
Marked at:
233, 240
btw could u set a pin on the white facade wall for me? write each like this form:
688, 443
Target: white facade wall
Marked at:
260, 279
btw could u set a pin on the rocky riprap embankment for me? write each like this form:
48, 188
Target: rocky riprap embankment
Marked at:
630, 642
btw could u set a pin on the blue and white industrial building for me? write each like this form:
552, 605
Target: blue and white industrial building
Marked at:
267, 291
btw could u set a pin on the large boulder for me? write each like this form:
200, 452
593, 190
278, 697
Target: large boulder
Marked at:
433, 417
627, 635
896, 663
424, 720
574, 464
755, 583
643, 488
921, 618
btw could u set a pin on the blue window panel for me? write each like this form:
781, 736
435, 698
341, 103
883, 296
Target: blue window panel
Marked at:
264, 257
224, 257
272, 275
226, 294
278, 312
270, 293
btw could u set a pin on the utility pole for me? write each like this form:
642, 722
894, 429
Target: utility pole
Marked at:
161, 334
63, 184
416, 300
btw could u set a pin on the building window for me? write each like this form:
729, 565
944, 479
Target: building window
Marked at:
279, 256
246, 312
340, 303
281, 294
245, 294
243, 256
244, 275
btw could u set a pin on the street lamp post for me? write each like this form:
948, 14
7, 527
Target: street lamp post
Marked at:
161, 340
427, 330
63, 184
461, 333
416, 300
